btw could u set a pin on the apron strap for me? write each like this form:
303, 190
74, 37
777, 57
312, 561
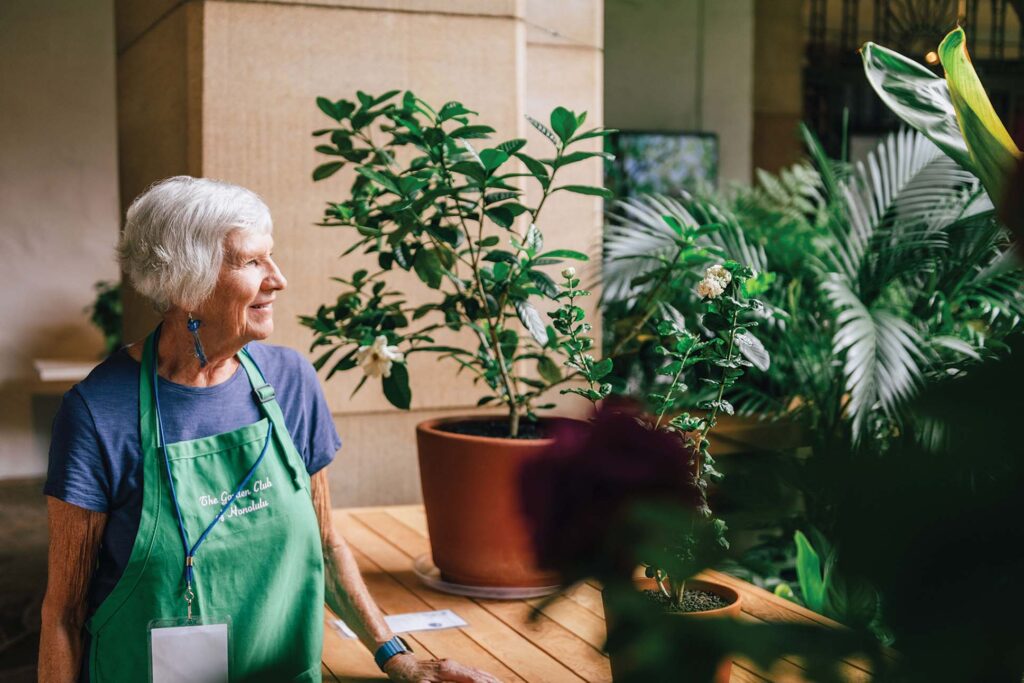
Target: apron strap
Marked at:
148, 429
266, 397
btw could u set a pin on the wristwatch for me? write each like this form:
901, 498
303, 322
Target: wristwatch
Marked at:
395, 646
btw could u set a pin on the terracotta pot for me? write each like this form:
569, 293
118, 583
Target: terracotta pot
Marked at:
730, 611
478, 536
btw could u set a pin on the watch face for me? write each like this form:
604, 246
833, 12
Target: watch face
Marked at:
404, 644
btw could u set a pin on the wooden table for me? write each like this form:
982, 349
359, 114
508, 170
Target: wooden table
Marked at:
564, 644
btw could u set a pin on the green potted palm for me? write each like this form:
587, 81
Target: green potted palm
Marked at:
433, 197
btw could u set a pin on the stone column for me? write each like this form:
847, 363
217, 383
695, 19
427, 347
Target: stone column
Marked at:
779, 39
227, 90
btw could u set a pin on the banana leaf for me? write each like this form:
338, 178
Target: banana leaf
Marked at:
993, 153
919, 97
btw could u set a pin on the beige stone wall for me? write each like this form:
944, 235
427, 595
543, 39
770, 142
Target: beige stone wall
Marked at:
243, 77
58, 203
684, 65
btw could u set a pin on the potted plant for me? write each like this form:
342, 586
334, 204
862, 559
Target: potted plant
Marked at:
427, 201
593, 475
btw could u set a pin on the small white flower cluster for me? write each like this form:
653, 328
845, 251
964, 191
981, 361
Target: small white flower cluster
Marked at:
716, 279
376, 360
569, 273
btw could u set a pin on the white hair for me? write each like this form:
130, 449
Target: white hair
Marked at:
172, 246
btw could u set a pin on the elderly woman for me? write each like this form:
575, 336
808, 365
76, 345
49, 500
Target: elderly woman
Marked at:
189, 513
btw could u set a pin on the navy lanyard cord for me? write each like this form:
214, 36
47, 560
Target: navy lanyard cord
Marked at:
190, 553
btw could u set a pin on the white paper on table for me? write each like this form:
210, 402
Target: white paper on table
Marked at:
412, 621
196, 654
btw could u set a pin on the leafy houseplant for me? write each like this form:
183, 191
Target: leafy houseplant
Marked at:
426, 201
623, 461
725, 290
904, 273
106, 314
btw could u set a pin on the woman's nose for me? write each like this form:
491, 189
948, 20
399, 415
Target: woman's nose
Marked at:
276, 279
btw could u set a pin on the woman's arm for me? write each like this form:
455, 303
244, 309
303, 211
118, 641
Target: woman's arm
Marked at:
75, 535
346, 594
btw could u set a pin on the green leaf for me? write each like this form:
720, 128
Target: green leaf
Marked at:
565, 253
492, 158
587, 189
673, 223
574, 157
532, 321
753, 350
336, 110
471, 169
468, 132
594, 133
543, 282
534, 167
327, 170
917, 96
534, 240
396, 386
809, 572
501, 216
549, 370
512, 146
544, 130
992, 151
496, 255
490, 241
428, 267
378, 178
602, 368
451, 110
563, 122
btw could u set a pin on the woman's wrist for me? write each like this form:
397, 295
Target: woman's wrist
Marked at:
389, 650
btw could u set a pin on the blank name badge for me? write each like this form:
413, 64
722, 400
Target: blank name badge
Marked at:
193, 651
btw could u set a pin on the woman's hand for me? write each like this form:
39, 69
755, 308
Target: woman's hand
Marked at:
408, 669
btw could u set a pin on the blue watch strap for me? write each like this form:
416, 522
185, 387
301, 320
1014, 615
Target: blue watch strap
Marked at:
389, 649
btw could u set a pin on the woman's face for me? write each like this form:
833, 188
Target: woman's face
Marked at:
241, 307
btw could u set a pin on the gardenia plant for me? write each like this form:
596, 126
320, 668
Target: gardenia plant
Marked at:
425, 200
726, 291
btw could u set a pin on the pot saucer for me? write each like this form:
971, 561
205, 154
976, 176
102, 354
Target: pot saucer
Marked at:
431, 577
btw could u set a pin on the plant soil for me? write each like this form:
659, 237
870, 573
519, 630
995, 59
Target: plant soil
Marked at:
496, 428
693, 601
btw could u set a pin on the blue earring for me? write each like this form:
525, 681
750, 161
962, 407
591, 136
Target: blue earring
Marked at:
193, 327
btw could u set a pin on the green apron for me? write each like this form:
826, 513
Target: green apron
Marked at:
262, 564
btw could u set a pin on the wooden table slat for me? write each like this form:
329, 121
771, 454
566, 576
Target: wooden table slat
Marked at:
527, 661
564, 643
587, 660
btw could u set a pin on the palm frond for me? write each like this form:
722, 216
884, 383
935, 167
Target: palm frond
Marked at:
882, 356
637, 239
890, 213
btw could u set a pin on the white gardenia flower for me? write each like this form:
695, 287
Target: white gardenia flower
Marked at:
569, 272
376, 359
710, 287
719, 273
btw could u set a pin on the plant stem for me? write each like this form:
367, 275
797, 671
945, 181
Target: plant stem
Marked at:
581, 363
675, 382
712, 417
494, 347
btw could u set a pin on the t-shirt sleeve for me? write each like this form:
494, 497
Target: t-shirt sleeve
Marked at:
77, 473
324, 441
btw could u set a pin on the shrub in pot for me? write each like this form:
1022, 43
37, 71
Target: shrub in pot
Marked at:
432, 197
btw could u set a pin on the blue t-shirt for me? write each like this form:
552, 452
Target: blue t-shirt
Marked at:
95, 454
